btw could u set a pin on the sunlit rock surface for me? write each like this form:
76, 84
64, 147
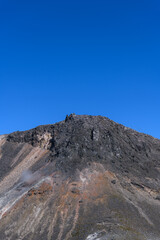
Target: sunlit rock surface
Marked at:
85, 178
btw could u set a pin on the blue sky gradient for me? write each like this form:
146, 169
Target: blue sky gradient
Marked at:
87, 57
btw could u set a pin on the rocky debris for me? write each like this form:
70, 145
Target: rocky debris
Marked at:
158, 197
137, 184
113, 181
45, 188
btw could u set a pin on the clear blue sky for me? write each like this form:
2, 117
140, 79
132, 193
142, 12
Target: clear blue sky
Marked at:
88, 57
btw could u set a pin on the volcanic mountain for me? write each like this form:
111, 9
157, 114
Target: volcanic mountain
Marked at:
85, 178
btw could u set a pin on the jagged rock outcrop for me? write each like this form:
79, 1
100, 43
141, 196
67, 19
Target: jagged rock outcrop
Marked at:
91, 179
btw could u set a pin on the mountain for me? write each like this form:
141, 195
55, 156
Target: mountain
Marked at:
85, 178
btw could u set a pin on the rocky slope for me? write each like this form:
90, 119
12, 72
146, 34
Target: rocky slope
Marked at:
84, 178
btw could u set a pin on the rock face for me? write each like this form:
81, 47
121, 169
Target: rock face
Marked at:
84, 178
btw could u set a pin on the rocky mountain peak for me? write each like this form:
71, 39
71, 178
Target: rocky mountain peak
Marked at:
82, 138
87, 178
